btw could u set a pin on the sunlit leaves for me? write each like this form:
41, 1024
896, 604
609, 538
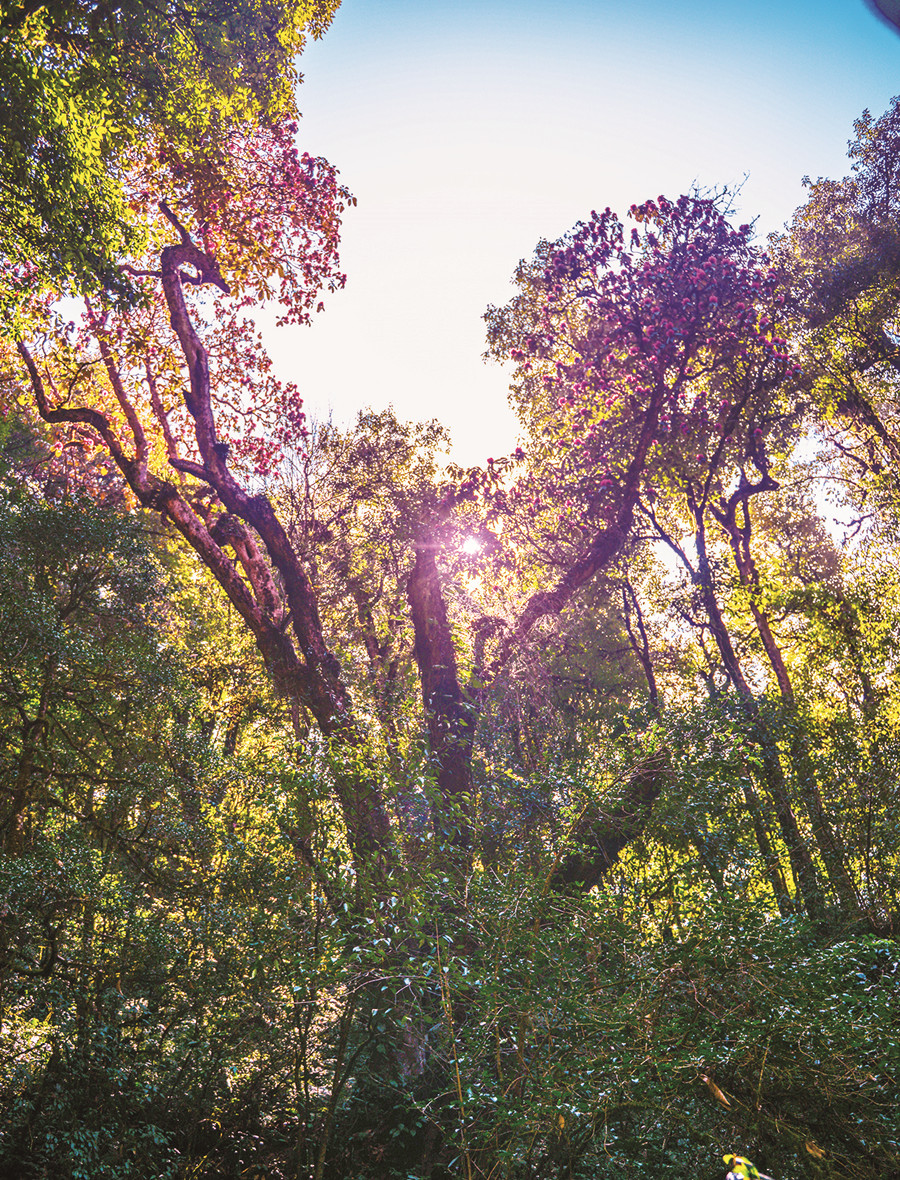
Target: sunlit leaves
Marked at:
643, 357
87, 94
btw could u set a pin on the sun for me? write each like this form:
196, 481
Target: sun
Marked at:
471, 546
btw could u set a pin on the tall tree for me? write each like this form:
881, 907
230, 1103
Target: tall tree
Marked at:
841, 260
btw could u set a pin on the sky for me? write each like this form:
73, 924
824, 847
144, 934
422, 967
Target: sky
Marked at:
468, 131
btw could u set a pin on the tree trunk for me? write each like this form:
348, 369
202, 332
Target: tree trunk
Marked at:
802, 865
451, 718
827, 840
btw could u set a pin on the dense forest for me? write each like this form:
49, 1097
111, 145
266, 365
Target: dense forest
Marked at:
367, 817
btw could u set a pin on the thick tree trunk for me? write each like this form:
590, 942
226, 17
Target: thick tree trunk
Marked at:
304, 667
450, 716
598, 838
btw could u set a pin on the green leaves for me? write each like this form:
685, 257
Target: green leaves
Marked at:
88, 95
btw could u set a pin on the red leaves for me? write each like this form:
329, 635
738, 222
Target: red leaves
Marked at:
270, 214
266, 219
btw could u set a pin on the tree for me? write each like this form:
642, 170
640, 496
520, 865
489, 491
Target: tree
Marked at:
161, 946
403, 614
841, 259
663, 369
88, 90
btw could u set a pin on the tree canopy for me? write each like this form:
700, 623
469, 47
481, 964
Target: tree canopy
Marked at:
366, 816
97, 98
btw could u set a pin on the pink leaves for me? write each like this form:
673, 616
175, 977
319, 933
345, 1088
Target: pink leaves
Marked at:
643, 341
275, 217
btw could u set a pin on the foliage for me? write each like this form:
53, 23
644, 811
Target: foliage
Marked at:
641, 358
88, 90
366, 817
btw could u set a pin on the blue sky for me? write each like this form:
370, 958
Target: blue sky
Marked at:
470, 130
